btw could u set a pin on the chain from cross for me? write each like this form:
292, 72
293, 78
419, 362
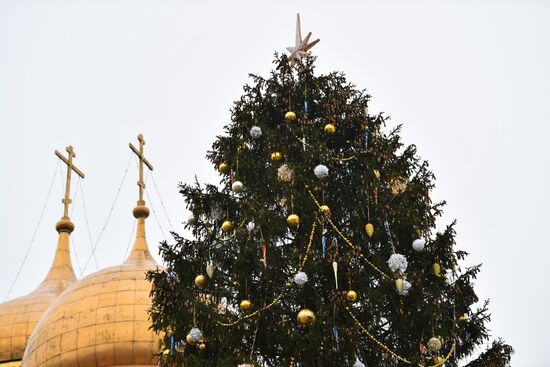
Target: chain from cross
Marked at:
70, 168
142, 160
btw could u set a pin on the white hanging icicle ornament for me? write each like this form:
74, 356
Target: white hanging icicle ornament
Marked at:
335, 269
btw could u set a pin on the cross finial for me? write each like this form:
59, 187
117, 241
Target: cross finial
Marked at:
142, 160
70, 168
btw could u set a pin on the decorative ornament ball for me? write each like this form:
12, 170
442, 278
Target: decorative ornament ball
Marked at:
464, 318
194, 336
210, 269
290, 116
376, 174
237, 187
300, 278
306, 317
369, 228
438, 360
227, 226
434, 344
166, 352
330, 129
439, 233
324, 209
398, 185
351, 296
398, 262
202, 346
191, 220
418, 244
200, 280
321, 171
285, 173
223, 167
245, 305
437, 269
189, 340
255, 132
276, 156
293, 220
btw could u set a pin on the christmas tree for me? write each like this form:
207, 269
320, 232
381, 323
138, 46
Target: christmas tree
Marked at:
318, 246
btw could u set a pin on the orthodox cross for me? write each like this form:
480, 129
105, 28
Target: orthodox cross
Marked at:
70, 168
142, 160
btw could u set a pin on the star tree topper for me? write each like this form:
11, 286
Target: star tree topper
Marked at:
301, 46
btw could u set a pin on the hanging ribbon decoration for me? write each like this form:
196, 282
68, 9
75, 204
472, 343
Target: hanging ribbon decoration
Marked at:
264, 254
336, 336
324, 239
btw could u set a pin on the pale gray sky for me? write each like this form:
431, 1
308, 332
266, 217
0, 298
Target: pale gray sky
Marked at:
470, 80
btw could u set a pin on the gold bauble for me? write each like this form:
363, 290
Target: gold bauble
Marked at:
330, 129
245, 305
227, 226
293, 220
290, 116
376, 174
351, 296
464, 318
306, 317
324, 209
202, 347
276, 156
438, 361
223, 167
200, 280
166, 352
369, 228
437, 269
190, 340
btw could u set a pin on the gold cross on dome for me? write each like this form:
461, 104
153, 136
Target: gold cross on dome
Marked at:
142, 160
70, 168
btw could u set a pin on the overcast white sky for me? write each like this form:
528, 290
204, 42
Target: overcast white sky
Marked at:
470, 80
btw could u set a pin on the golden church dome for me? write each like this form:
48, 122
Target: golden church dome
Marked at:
101, 320
19, 316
